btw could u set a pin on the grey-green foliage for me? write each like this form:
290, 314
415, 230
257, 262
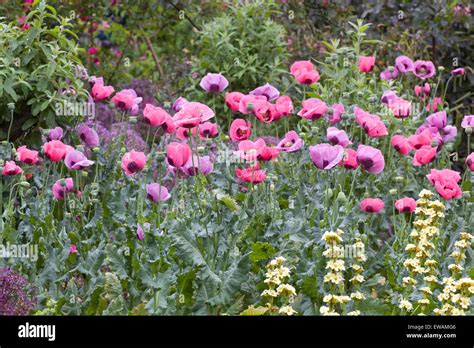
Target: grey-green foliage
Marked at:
36, 64
244, 44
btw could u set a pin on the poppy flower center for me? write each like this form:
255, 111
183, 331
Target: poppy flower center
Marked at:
133, 167
369, 209
121, 104
308, 81
28, 161
367, 163
83, 136
406, 209
214, 88
325, 163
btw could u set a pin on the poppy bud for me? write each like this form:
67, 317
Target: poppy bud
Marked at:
167, 105
393, 192
314, 130
466, 194
329, 193
250, 107
468, 130
341, 197
201, 149
363, 238
434, 143
391, 69
373, 99
29, 193
11, 106
84, 173
96, 149
441, 68
25, 184
132, 120
68, 215
160, 156
112, 105
399, 179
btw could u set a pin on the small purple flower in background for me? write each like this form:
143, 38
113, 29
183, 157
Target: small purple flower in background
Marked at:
404, 64
17, 296
141, 232
268, 91
468, 121
214, 83
77, 160
389, 74
337, 137
179, 103
72, 249
202, 164
59, 190
424, 69
88, 135
291, 142
157, 193
55, 134
325, 156
457, 72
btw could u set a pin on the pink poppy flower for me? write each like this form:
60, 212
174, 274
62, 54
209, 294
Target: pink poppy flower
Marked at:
178, 103
232, 100
371, 159
267, 153
157, 193
208, 130
100, 92
88, 135
470, 162
168, 125
433, 106
438, 119
291, 142
127, 99
457, 72
313, 109
61, 187
424, 69
283, 107
92, 51
325, 156
335, 113
183, 133
405, 205
423, 91
55, 150
214, 83
387, 97
154, 115
133, 162
196, 164
251, 174
77, 160
249, 150
400, 107
10, 168
240, 130
264, 111
191, 114
338, 137
349, 160
178, 154
424, 138
247, 103
401, 144
445, 181
268, 91
424, 155
372, 124
304, 72
371, 205
366, 63
25, 155
467, 121
404, 64
72, 249
389, 74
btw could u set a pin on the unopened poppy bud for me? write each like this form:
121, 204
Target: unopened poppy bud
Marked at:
13, 152
80, 148
329, 193
112, 105
68, 215
391, 69
11, 106
393, 192
96, 149
314, 130
345, 116
360, 94
272, 187
399, 179
132, 120
209, 142
346, 95
160, 156
2, 162
201, 149
123, 150
226, 137
441, 68
29, 192
341, 197
25, 184
4, 142
363, 238
468, 130
373, 99
84, 173
167, 105
466, 194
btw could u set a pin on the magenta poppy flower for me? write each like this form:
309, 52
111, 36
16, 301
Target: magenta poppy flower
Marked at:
232, 100
157, 193
168, 125
55, 134
251, 174
405, 205
25, 155
370, 158
191, 114
183, 133
154, 115
267, 153
438, 119
470, 162
371, 205
445, 181
127, 99
304, 72
72, 249
196, 164
422, 137
249, 150
283, 106
389, 74
264, 111
366, 63
268, 91
239, 130
178, 154
313, 109
335, 113
457, 72
424, 155
88, 135
388, 97
61, 187
208, 130
337, 137
467, 121
247, 103
55, 150
76, 160
325, 156
424, 69
291, 142
349, 160
423, 91
92, 51
404, 64
214, 83
133, 162
10, 168
372, 124
178, 103
99, 91
401, 144
400, 107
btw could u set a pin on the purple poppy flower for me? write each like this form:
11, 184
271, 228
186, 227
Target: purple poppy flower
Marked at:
179, 103
337, 137
370, 158
457, 72
214, 83
404, 64
61, 187
55, 134
448, 133
88, 135
77, 160
424, 69
325, 156
157, 193
389, 74
268, 91
200, 163
438, 119
468, 121
291, 142
388, 97
141, 232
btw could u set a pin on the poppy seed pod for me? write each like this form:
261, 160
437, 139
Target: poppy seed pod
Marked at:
468, 130
11, 106
132, 120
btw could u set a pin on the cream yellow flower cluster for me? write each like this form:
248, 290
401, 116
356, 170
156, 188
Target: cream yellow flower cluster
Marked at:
457, 291
285, 293
420, 265
336, 299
